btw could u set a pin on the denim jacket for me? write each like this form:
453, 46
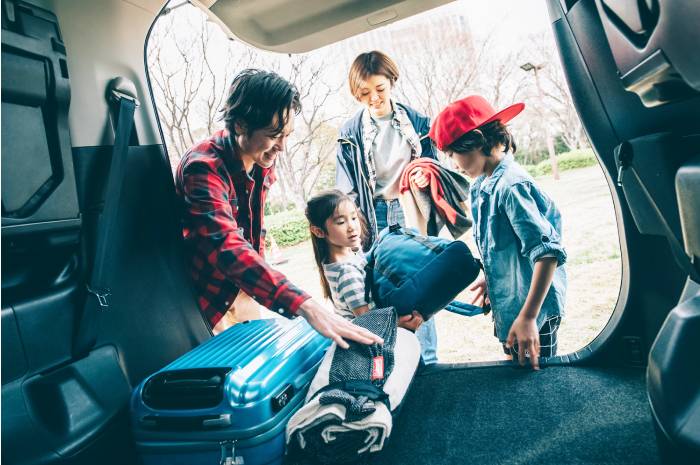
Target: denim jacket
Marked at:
354, 162
515, 224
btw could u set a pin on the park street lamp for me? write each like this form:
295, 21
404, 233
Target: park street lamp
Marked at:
550, 143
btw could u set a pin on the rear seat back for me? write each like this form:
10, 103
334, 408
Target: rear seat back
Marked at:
153, 317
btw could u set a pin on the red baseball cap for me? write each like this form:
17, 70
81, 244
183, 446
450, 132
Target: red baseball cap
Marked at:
464, 115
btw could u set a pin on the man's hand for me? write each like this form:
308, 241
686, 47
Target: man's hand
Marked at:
479, 291
524, 331
411, 322
420, 179
335, 327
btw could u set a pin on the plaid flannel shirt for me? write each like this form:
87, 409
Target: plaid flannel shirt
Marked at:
224, 233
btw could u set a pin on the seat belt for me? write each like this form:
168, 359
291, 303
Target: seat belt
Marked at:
624, 155
97, 298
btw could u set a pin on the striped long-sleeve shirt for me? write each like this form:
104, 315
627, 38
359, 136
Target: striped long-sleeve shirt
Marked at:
347, 285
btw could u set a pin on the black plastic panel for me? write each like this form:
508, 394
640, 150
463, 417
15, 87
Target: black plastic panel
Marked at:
673, 378
626, 113
688, 193
38, 183
24, 79
38, 263
14, 363
50, 417
638, 30
656, 158
46, 327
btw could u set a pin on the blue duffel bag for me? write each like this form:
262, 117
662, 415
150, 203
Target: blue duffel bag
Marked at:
409, 271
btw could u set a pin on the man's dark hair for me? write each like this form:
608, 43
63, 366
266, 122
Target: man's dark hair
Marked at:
485, 137
255, 97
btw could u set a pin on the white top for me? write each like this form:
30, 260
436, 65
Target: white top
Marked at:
391, 155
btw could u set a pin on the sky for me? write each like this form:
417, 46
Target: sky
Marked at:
510, 20
518, 16
515, 18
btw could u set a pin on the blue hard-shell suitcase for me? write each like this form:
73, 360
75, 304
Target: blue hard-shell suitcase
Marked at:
228, 401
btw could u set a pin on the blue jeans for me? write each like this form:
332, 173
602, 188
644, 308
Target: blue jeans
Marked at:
389, 212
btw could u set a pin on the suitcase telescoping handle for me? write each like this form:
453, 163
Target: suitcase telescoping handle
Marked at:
228, 453
201, 421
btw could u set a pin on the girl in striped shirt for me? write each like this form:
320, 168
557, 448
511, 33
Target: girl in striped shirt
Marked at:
337, 230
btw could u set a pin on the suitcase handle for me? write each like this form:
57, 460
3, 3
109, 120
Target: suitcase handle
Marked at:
186, 389
202, 421
223, 420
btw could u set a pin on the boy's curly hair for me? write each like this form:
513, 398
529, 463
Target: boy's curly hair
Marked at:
485, 137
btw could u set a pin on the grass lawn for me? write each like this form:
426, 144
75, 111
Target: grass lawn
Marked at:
593, 271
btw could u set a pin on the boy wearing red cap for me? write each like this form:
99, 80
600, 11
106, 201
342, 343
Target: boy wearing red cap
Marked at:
517, 229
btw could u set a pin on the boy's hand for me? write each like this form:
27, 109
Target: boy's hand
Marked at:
411, 322
420, 179
524, 331
479, 291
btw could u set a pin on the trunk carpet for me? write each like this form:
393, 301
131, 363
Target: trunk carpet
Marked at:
505, 415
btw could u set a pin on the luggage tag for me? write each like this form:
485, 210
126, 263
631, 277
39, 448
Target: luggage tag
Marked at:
377, 367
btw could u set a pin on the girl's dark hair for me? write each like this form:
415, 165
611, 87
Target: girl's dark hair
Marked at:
485, 137
318, 209
255, 97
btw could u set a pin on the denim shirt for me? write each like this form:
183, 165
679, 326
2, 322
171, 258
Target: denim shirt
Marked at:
515, 224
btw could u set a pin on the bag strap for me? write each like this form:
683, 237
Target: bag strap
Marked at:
98, 290
424, 240
464, 309
437, 248
624, 156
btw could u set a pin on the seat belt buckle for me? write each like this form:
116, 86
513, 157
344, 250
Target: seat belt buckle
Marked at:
123, 88
102, 296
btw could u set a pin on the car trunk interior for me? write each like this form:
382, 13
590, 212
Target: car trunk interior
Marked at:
501, 414
640, 109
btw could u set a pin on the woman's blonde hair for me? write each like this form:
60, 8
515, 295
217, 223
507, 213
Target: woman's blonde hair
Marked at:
370, 64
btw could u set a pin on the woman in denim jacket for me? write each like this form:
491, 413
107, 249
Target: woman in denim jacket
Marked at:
374, 147
517, 229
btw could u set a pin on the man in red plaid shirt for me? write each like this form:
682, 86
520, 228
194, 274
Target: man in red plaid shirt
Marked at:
223, 182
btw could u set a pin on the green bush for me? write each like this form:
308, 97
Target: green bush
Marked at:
274, 208
288, 228
566, 161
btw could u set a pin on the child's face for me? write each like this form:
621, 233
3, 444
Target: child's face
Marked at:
473, 163
375, 94
343, 228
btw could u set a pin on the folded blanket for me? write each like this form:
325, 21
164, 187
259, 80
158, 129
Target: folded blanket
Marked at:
320, 430
442, 203
339, 427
